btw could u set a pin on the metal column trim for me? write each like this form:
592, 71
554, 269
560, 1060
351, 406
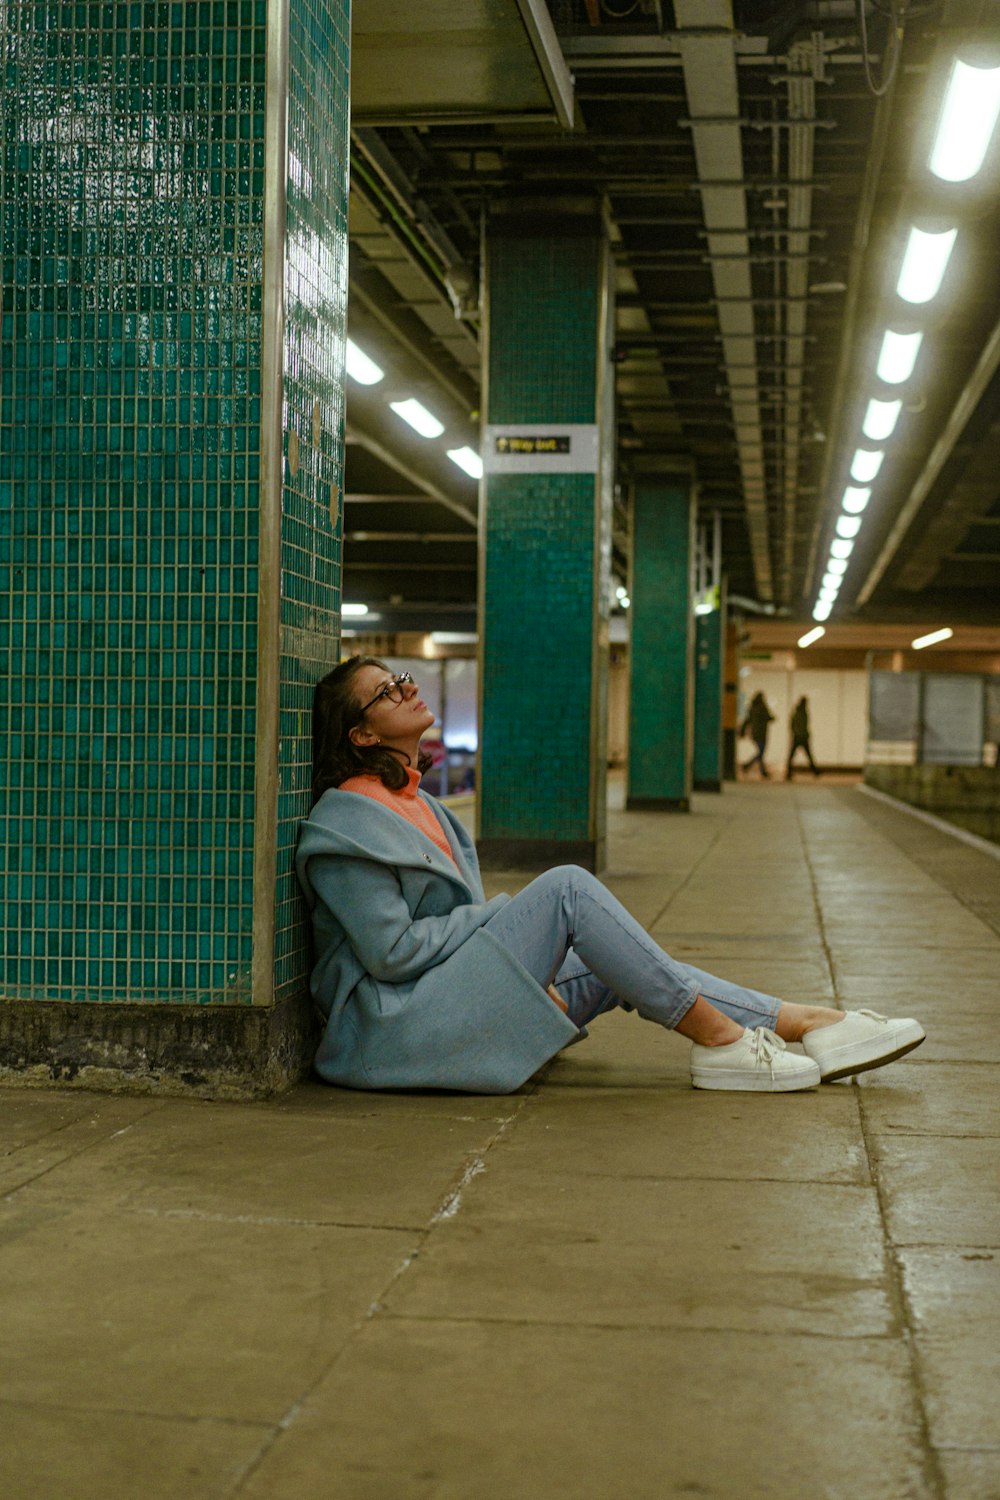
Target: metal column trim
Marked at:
272, 472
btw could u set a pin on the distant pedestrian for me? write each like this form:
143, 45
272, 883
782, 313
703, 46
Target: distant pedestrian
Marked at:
799, 726
759, 716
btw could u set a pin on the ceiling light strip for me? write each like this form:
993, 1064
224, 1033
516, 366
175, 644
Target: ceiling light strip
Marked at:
961, 414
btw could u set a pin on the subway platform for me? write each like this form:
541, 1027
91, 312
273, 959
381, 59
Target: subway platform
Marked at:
605, 1286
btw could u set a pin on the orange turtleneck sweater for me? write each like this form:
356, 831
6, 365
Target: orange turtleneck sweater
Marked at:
406, 803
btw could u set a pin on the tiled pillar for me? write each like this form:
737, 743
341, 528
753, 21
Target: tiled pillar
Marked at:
709, 650
171, 417
730, 698
545, 540
661, 694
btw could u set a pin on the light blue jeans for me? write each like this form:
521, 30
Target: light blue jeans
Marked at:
567, 929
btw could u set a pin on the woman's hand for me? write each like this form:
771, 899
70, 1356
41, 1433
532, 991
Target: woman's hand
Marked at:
555, 995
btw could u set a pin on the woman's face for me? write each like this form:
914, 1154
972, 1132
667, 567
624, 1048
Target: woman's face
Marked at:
392, 723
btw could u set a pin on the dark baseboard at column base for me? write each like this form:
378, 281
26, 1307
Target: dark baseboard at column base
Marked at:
207, 1051
707, 785
538, 854
658, 804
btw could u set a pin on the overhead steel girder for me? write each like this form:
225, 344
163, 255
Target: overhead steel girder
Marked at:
708, 58
805, 69
435, 62
365, 437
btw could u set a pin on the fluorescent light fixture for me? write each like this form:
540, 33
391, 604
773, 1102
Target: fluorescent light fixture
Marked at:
865, 464
828, 596
353, 611
626, 602
419, 418
821, 611
848, 525
897, 357
880, 419
453, 638
360, 368
621, 593
932, 639
855, 500
841, 547
925, 261
968, 116
837, 565
810, 636
831, 580
467, 459
704, 608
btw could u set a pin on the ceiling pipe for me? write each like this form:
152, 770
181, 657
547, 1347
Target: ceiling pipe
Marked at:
806, 68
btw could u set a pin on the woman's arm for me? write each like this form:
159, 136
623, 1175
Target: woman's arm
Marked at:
367, 900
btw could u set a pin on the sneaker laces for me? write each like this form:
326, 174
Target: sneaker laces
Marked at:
766, 1045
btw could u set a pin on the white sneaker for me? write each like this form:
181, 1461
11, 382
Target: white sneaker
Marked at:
757, 1061
861, 1040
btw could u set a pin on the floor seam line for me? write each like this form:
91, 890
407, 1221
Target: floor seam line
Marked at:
931, 1463
929, 1460
692, 872
376, 1307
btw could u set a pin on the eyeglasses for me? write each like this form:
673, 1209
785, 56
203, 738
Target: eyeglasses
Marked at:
393, 690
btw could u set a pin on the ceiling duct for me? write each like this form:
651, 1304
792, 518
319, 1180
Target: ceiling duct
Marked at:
708, 57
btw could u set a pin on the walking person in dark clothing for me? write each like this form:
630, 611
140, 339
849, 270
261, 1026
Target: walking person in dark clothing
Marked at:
759, 716
799, 725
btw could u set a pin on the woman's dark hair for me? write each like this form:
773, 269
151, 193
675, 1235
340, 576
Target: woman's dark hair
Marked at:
336, 711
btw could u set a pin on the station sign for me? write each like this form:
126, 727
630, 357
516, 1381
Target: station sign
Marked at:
540, 448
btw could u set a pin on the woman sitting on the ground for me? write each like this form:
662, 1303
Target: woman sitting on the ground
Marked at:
426, 984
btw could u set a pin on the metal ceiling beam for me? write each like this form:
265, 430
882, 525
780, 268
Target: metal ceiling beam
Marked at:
358, 498
368, 440
428, 538
706, 42
806, 68
390, 565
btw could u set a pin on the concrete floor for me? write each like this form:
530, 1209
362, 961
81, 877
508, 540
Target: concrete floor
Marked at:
606, 1286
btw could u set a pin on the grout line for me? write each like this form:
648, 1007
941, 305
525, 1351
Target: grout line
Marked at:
71, 1155
192, 1419
204, 1216
449, 1208
572, 1324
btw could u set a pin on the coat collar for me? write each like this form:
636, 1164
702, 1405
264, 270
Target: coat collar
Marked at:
350, 825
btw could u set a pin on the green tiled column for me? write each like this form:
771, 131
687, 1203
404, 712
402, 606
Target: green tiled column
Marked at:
661, 702
709, 648
545, 542
171, 351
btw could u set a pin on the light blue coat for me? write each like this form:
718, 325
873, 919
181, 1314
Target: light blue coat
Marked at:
415, 992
